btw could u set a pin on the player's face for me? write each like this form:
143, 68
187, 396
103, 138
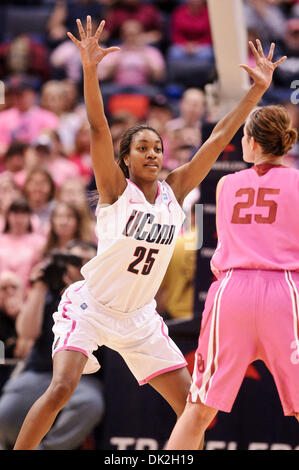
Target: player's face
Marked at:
145, 157
248, 155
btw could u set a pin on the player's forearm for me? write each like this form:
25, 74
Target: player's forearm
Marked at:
93, 99
228, 126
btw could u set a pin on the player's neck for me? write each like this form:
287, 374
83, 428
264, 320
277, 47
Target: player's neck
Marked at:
261, 159
150, 189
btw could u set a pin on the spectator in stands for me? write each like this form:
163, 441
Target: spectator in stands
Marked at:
185, 129
67, 223
25, 119
65, 14
73, 191
80, 156
9, 191
39, 189
85, 409
23, 54
191, 33
191, 47
20, 247
137, 66
191, 110
266, 18
145, 13
55, 99
14, 161
50, 155
11, 301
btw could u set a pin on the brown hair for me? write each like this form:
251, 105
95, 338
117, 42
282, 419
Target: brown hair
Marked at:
125, 144
80, 232
18, 205
271, 128
44, 172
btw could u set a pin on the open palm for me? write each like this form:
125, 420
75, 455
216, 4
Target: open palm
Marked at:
262, 73
91, 52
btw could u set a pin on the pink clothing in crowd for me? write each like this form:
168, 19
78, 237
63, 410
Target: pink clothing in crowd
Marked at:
62, 169
190, 27
256, 225
26, 126
20, 253
131, 65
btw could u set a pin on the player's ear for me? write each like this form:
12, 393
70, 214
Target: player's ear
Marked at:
253, 144
126, 160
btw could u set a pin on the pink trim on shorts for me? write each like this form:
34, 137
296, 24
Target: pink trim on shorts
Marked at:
67, 302
167, 337
70, 332
162, 371
167, 369
80, 287
72, 348
295, 300
212, 358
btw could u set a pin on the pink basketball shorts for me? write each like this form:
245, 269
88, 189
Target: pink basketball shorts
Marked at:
249, 315
141, 338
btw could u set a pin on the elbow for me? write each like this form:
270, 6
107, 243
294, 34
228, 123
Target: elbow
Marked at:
219, 139
97, 128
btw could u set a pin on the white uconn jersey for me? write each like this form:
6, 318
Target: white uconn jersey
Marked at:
136, 242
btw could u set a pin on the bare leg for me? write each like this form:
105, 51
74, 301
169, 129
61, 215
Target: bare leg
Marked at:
67, 370
174, 387
190, 428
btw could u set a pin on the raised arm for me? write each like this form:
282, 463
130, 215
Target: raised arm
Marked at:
188, 176
109, 178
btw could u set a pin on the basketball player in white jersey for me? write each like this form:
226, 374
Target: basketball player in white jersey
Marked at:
138, 220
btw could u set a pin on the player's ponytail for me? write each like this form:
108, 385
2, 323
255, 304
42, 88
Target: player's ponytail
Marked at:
271, 128
125, 144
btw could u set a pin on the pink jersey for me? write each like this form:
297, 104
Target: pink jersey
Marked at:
257, 220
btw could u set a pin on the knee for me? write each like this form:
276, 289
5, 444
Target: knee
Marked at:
199, 415
59, 392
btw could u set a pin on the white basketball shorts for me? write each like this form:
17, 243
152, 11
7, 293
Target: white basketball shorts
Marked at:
141, 338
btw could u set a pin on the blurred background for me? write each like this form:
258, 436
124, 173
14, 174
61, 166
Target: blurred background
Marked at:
177, 70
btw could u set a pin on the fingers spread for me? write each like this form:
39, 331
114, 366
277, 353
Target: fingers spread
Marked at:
75, 40
99, 30
81, 30
88, 26
253, 50
271, 51
259, 48
280, 61
111, 49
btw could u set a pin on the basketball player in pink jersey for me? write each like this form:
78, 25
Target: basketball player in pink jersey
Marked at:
138, 220
252, 310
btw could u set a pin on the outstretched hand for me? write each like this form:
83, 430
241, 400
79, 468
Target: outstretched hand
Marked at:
262, 73
91, 52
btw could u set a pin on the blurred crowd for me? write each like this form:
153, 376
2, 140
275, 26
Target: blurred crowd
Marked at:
159, 76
